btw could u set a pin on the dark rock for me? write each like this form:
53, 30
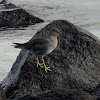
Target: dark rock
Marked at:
2, 94
75, 63
3, 2
98, 98
97, 92
58, 95
10, 6
12, 16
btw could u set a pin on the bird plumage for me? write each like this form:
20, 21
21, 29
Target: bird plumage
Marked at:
41, 46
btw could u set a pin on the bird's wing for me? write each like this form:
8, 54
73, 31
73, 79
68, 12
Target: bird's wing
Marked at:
37, 44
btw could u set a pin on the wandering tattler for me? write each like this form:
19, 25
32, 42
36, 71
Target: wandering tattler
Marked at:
41, 46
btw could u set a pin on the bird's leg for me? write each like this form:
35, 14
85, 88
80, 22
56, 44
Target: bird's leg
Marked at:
39, 64
46, 68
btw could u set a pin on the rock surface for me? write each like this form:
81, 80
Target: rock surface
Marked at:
75, 63
2, 94
58, 95
97, 90
3, 2
13, 16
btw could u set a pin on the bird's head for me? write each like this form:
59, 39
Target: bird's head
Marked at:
55, 32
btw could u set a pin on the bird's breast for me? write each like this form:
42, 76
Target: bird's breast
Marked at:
52, 45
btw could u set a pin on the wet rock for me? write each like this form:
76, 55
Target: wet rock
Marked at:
12, 16
2, 94
58, 95
75, 63
10, 6
3, 2
97, 90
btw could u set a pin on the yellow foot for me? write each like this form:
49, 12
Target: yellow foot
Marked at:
47, 69
42, 65
39, 64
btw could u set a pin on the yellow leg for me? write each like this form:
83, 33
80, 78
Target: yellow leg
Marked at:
39, 64
46, 68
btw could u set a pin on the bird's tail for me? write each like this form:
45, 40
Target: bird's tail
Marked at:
18, 45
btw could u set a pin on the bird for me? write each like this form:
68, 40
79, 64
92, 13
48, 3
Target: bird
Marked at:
42, 46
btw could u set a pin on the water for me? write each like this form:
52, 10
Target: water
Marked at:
84, 13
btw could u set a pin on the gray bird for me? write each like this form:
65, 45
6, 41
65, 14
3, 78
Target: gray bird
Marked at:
42, 46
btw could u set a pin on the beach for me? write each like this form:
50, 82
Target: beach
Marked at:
83, 13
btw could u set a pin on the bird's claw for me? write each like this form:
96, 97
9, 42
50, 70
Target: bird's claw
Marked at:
47, 69
44, 66
39, 64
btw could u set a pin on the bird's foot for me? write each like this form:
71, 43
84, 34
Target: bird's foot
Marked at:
42, 65
47, 69
39, 64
